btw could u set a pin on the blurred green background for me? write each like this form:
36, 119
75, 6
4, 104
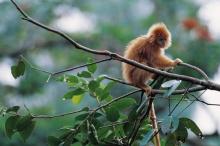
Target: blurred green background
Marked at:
101, 25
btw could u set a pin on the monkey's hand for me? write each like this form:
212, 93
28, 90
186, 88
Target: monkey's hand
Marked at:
177, 61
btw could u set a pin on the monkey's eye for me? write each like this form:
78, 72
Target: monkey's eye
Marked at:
161, 40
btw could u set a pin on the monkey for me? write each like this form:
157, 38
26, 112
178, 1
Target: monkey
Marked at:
148, 50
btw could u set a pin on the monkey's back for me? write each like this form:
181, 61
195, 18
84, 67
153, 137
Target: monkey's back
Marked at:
137, 51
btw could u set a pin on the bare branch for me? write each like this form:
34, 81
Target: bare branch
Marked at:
207, 84
157, 91
80, 66
62, 71
56, 116
196, 69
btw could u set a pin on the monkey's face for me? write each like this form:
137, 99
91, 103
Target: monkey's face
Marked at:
161, 41
160, 36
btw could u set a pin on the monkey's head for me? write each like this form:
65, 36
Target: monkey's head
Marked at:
159, 35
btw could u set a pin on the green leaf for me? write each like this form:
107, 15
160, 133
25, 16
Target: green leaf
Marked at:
69, 140
103, 133
85, 115
25, 133
100, 78
76, 99
77, 144
91, 68
109, 86
86, 109
65, 135
84, 74
93, 85
18, 70
181, 133
171, 140
124, 103
10, 125
147, 138
13, 109
23, 122
78, 91
119, 131
112, 114
170, 83
175, 123
81, 116
102, 94
2, 111
172, 88
53, 141
188, 123
166, 125
133, 114
71, 80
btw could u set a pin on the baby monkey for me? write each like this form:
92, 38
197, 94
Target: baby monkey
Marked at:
148, 50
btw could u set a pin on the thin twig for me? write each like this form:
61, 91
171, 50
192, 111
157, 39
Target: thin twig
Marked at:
186, 91
204, 102
80, 66
57, 116
187, 100
191, 103
196, 69
81, 110
65, 70
114, 124
157, 91
118, 98
119, 81
33, 67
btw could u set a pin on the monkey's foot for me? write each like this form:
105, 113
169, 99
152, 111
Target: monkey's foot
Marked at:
148, 90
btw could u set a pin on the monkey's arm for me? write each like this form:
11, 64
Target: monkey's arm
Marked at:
164, 62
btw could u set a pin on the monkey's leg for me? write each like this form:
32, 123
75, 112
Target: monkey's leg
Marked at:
153, 118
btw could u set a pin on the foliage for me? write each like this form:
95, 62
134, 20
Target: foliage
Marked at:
107, 123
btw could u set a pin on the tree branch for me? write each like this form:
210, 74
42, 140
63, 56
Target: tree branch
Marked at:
157, 91
207, 84
196, 69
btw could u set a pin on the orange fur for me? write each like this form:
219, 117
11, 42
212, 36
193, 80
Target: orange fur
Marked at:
148, 50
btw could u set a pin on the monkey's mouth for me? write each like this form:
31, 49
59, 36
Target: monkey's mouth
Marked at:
161, 42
